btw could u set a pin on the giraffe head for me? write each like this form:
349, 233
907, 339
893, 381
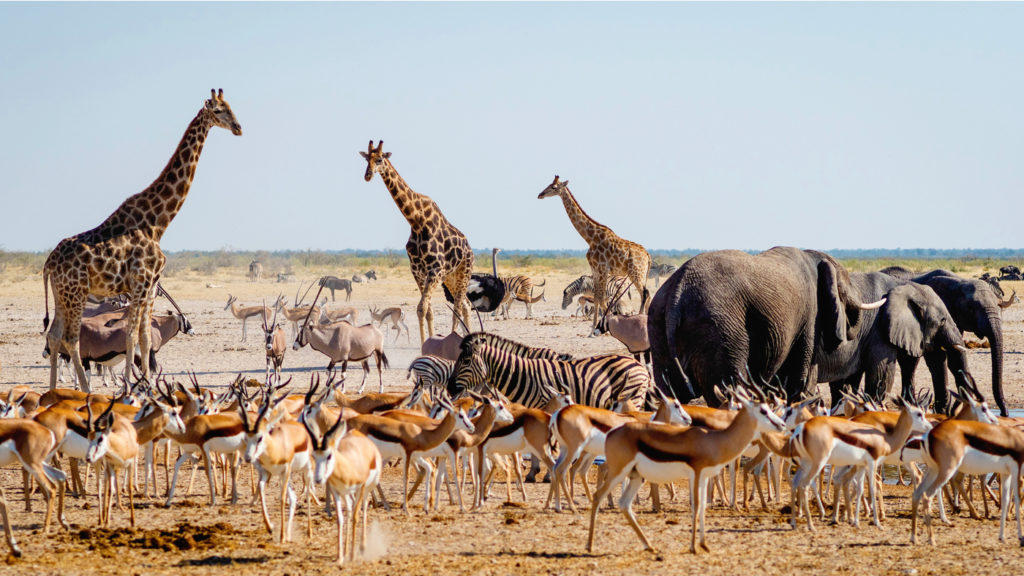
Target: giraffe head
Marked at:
220, 111
554, 189
374, 159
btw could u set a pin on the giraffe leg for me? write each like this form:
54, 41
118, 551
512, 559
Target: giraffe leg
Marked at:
145, 329
72, 328
135, 308
54, 340
424, 312
600, 296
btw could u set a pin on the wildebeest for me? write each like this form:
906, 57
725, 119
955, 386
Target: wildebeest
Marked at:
333, 283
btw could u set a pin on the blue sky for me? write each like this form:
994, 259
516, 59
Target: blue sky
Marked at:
686, 125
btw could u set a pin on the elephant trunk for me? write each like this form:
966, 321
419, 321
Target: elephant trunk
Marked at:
992, 329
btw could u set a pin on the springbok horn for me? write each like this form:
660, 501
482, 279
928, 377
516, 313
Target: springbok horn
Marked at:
312, 436
686, 380
872, 306
88, 411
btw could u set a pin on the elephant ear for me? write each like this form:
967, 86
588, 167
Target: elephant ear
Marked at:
902, 314
831, 308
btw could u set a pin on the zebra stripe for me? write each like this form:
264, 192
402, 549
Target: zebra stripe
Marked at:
510, 346
585, 285
430, 371
598, 381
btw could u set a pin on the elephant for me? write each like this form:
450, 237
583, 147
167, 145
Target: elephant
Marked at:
913, 322
899, 272
975, 308
728, 314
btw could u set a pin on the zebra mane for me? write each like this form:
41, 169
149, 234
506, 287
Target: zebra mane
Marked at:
510, 346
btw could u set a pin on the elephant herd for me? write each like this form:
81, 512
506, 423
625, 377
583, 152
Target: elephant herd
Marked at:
801, 317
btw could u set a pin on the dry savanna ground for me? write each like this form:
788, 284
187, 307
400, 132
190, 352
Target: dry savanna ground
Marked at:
502, 538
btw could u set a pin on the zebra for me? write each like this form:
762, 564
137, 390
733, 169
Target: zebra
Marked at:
333, 283
584, 285
659, 270
519, 287
430, 371
599, 381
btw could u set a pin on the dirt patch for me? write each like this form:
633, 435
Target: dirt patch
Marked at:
183, 536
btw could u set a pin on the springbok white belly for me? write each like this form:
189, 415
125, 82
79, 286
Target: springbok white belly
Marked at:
662, 472
978, 462
8, 454
74, 445
514, 442
300, 461
388, 450
595, 442
226, 444
844, 454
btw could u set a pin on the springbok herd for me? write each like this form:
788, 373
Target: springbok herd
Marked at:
480, 402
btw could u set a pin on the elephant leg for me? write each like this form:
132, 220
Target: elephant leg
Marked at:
850, 385
879, 377
908, 365
936, 362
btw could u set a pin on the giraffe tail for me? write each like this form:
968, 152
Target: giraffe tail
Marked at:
46, 298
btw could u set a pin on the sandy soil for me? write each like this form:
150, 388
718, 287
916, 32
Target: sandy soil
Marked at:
502, 539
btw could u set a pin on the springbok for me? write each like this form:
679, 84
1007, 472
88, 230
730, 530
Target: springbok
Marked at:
278, 447
113, 444
395, 318
243, 313
662, 453
29, 444
350, 464
970, 448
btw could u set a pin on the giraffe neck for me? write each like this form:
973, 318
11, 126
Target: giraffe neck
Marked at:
585, 225
402, 194
155, 207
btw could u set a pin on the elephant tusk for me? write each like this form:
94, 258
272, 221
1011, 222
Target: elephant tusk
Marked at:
961, 348
873, 305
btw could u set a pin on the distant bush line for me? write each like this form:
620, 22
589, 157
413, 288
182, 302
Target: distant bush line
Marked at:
352, 261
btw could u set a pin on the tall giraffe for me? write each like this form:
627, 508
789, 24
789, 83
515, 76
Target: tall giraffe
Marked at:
122, 255
438, 252
609, 255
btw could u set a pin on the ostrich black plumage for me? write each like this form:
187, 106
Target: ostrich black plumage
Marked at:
485, 291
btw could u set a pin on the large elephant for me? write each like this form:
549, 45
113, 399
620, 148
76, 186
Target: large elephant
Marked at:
728, 314
912, 323
975, 308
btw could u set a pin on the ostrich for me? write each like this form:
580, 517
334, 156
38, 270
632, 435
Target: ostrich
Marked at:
485, 291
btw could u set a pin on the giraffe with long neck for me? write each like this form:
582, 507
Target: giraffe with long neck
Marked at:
608, 255
122, 255
438, 252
